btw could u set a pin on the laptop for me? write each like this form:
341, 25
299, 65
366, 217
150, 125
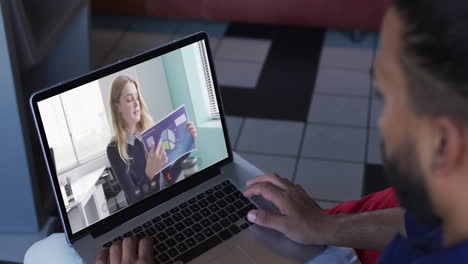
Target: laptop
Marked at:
141, 148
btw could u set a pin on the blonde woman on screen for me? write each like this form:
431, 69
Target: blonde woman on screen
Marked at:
138, 172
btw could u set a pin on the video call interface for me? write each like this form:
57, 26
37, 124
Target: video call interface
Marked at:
129, 135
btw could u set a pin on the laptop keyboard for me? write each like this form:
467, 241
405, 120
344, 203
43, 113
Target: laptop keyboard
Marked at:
196, 225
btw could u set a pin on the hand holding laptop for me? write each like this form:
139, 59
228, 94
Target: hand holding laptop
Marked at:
128, 251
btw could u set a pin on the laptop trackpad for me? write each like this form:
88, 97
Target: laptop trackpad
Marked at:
236, 256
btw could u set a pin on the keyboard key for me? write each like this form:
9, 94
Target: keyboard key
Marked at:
159, 226
205, 212
177, 217
243, 212
197, 228
140, 235
188, 221
156, 219
219, 194
161, 247
147, 224
210, 191
179, 226
222, 213
214, 218
233, 218
225, 223
191, 201
208, 232
137, 229
171, 231
173, 252
166, 214
174, 210
199, 249
188, 232
237, 194
225, 183
200, 196
229, 199
150, 231
229, 189
238, 204
218, 187
118, 238
221, 203
183, 205
225, 234
108, 244
161, 236
211, 199
170, 242
197, 217
190, 242
234, 229
168, 221
128, 234
230, 209
163, 258
200, 237
205, 222
214, 207
244, 200
179, 237
195, 208
186, 212
217, 227
181, 247
203, 203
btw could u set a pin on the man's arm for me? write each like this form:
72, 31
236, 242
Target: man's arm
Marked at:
368, 230
303, 221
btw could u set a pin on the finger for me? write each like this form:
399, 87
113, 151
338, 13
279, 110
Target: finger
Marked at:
115, 252
274, 179
162, 152
189, 123
145, 249
270, 192
152, 148
267, 219
129, 250
158, 147
103, 256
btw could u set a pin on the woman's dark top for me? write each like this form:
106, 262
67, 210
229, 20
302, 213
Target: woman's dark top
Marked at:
133, 180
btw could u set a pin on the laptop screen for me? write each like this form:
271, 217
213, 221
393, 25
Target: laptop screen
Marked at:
124, 137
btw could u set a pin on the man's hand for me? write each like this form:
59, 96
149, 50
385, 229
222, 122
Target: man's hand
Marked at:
128, 251
300, 219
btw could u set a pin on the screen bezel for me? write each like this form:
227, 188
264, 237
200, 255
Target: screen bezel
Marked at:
148, 203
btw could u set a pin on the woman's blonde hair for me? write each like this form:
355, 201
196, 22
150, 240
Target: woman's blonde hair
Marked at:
118, 123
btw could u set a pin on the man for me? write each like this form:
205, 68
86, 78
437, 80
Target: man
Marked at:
421, 72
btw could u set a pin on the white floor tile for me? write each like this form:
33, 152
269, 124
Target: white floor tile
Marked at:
350, 58
330, 180
339, 110
269, 136
243, 49
343, 82
376, 109
234, 124
334, 142
238, 74
373, 147
283, 166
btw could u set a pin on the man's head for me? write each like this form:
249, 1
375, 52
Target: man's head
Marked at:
422, 73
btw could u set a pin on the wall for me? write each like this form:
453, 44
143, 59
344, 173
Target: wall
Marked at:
185, 88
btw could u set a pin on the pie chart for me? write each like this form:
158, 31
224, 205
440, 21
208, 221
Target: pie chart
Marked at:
168, 139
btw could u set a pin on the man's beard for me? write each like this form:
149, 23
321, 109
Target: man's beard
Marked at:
404, 173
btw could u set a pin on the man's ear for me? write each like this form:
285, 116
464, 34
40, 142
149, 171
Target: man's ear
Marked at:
448, 146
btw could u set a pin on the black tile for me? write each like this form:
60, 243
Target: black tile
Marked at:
286, 83
374, 179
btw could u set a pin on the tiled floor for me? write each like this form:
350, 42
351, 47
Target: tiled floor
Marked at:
308, 92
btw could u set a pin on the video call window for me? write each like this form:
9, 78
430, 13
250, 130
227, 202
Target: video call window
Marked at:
126, 136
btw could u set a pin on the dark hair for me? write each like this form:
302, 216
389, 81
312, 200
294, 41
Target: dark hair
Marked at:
434, 55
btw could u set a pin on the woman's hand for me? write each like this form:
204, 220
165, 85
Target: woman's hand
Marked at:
128, 251
156, 160
191, 129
